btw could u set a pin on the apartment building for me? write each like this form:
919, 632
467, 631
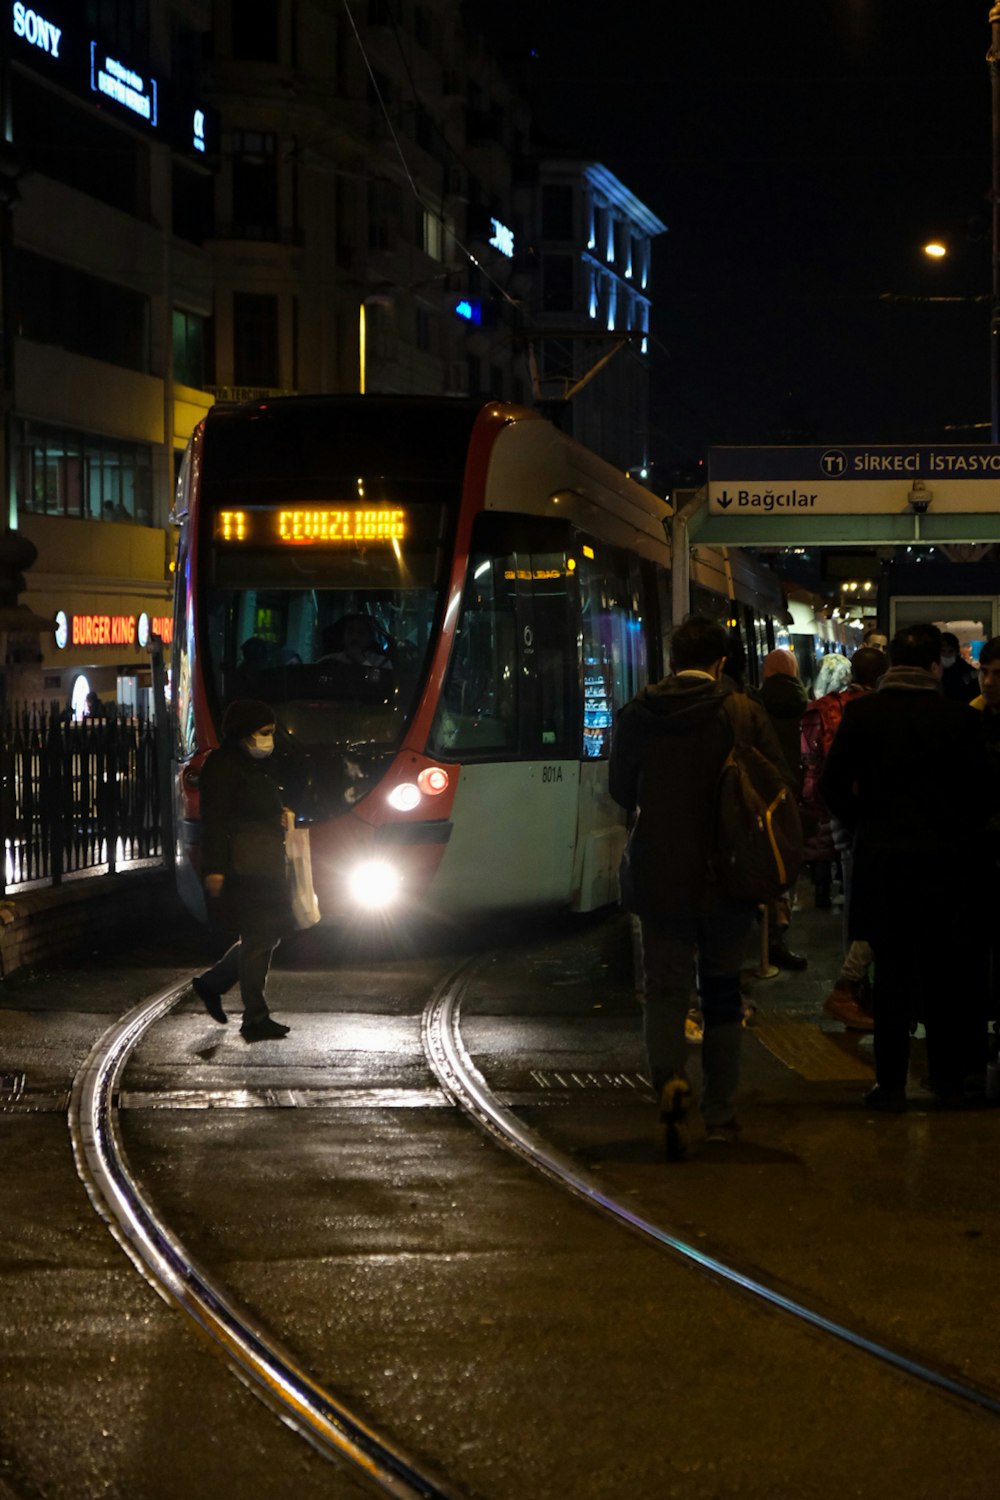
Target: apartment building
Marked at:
106, 301
228, 199
591, 306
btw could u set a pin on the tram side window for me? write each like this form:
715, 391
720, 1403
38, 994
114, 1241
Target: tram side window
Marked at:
478, 709
615, 663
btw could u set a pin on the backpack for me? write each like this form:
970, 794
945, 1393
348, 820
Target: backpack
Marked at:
758, 831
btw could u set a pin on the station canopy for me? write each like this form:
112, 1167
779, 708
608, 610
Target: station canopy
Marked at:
879, 495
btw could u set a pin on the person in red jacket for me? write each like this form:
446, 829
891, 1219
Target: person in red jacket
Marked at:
824, 841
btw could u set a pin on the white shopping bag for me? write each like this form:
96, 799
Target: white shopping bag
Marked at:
305, 907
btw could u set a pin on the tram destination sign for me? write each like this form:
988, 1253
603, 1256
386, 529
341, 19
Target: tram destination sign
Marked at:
936, 477
312, 525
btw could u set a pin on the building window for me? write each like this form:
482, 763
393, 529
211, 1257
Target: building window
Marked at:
58, 140
430, 233
255, 340
255, 185
557, 283
192, 204
557, 211
124, 24
255, 30
424, 330
189, 347
56, 304
66, 473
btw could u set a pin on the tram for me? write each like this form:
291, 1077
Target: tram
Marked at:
445, 603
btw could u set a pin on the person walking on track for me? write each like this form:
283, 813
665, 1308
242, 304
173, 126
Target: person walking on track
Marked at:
668, 748
243, 865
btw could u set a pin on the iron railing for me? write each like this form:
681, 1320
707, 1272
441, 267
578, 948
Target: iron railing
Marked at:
76, 796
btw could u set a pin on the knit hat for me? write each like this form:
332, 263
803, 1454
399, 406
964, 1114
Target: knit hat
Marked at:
244, 716
781, 663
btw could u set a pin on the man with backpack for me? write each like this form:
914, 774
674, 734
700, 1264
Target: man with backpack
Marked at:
669, 749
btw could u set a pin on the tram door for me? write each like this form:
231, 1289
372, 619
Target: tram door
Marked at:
509, 717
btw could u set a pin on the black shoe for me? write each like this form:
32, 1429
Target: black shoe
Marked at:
889, 1101
263, 1031
210, 1000
784, 958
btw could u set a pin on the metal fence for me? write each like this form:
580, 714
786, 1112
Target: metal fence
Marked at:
76, 796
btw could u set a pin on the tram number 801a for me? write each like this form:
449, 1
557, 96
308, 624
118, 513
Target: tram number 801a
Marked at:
552, 773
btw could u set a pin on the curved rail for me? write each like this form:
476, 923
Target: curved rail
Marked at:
463, 1083
269, 1370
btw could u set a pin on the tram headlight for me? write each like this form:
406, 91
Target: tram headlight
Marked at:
374, 884
404, 797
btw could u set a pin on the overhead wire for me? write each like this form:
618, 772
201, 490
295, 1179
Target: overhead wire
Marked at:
427, 207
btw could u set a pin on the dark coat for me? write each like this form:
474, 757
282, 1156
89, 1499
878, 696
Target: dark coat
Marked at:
960, 681
667, 750
784, 699
243, 839
908, 773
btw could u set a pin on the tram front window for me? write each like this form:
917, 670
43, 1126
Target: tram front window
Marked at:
340, 667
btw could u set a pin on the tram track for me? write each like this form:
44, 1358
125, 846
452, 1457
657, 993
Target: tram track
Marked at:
266, 1367
463, 1083
258, 1358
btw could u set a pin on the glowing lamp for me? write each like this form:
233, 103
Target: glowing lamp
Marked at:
404, 797
374, 884
433, 780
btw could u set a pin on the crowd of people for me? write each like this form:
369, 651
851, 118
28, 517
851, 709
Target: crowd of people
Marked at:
894, 759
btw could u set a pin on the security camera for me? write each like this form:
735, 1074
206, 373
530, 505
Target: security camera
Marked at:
919, 499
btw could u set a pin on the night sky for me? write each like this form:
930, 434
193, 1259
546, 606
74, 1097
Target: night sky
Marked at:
800, 154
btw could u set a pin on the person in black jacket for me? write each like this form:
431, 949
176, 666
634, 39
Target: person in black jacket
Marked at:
959, 678
243, 865
667, 750
908, 772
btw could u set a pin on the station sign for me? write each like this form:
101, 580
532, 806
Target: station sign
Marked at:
53, 38
939, 478
111, 630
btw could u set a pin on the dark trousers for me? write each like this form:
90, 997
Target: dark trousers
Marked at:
247, 961
929, 976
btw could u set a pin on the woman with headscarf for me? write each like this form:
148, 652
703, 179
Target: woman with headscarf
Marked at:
784, 698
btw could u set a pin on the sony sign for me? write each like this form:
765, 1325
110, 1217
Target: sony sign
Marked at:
37, 30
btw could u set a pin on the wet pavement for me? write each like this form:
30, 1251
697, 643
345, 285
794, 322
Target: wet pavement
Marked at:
488, 1323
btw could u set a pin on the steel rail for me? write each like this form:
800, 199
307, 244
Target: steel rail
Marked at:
464, 1084
267, 1368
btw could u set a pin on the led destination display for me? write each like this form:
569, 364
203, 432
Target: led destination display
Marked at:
324, 526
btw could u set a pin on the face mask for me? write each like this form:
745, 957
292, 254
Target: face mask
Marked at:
948, 661
260, 746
